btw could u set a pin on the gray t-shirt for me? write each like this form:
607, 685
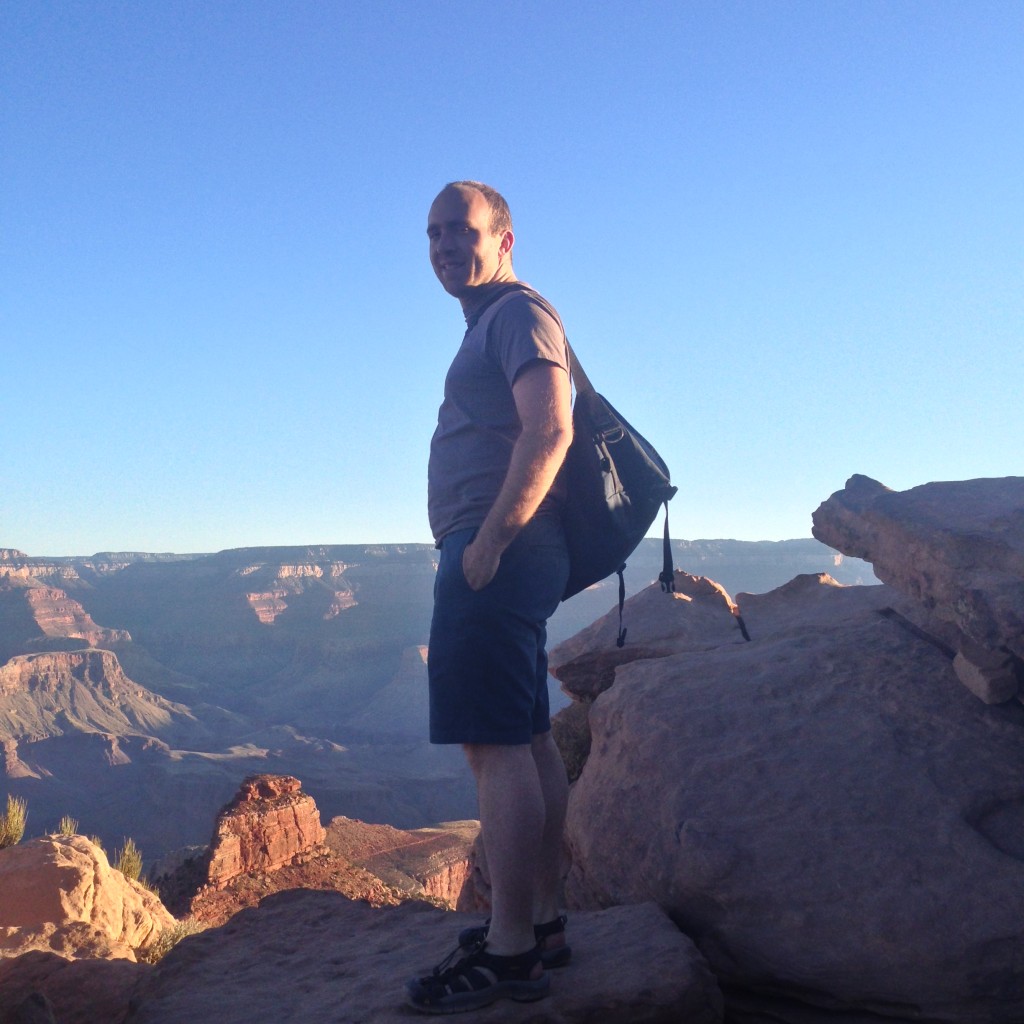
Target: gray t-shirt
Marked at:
477, 424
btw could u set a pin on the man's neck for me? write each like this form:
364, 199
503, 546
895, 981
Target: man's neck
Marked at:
479, 297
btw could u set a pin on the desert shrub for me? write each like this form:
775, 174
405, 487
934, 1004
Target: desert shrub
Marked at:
98, 843
12, 824
128, 860
168, 939
151, 886
68, 826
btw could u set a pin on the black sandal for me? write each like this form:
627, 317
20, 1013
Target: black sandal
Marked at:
471, 938
478, 980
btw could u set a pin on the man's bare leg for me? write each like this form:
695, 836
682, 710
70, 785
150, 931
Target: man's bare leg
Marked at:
512, 820
555, 788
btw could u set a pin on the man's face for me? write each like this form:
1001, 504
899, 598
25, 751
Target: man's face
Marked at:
464, 253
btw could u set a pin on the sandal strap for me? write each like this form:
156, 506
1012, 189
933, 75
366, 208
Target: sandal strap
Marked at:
555, 927
466, 975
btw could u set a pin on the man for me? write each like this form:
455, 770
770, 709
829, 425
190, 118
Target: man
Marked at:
503, 430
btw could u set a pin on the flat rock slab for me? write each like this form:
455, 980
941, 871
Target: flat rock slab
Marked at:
305, 956
957, 548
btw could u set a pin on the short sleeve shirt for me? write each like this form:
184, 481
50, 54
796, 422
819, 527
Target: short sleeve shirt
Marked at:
477, 424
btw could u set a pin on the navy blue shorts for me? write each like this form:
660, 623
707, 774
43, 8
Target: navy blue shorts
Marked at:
487, 664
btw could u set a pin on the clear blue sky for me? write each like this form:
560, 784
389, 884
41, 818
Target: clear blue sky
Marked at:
785, 238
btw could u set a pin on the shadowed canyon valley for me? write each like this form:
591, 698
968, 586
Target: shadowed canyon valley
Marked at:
137, 690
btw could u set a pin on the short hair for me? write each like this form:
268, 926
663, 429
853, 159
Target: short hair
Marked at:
501, 216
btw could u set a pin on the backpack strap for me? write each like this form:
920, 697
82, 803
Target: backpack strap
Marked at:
667, 576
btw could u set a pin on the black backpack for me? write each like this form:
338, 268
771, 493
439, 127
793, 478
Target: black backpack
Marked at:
615, 483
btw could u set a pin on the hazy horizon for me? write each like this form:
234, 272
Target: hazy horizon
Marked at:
354, 544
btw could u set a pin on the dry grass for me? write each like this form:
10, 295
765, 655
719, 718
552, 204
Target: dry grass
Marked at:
168, 939
12, 824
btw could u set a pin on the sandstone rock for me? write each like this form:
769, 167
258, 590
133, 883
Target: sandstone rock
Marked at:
304, 956
571, 731
991, 675
825, 810
700, 613
35, 1008
59, 615
44, 988
956, 548
60, 894
269, 824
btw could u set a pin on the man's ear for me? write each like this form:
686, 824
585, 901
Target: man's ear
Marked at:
507, 241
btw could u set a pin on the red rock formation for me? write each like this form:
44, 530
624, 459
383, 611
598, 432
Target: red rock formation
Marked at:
284, 584
268, 825
59, 615
436, 862
33, 613
268, 605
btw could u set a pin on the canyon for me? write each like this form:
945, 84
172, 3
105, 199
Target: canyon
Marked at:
797, 806
137, 690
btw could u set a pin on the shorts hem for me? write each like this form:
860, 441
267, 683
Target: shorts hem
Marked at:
505, 740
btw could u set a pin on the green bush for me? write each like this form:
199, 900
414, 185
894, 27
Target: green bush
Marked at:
12, 824
128, 860
168, 939
68, 826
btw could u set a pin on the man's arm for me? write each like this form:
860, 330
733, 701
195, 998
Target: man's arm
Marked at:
543, 403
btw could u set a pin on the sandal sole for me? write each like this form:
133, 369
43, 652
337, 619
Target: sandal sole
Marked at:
463, 1002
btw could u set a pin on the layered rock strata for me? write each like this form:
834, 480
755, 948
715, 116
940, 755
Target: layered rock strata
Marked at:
83, 691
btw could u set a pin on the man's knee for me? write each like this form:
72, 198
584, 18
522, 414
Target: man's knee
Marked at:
486, 757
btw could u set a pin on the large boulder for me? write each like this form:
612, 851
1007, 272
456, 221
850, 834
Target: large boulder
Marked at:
957, 549
824, 809
316, 956
60, 894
